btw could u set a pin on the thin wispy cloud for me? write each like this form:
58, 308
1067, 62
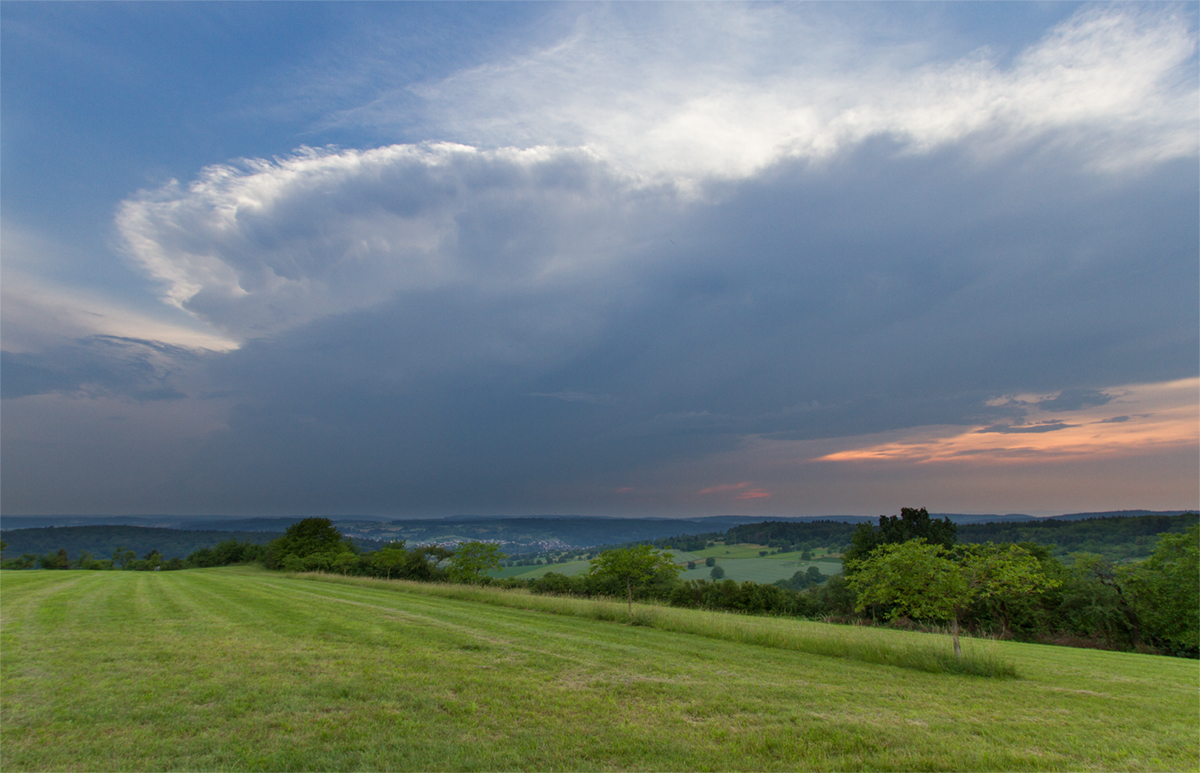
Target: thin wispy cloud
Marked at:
731, 89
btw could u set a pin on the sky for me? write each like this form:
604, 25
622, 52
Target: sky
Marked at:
633, 259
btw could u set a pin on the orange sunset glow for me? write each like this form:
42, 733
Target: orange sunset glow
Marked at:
1142, 418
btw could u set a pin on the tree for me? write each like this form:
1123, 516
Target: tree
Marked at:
1092, 604
711, 560
344, 561
929, 582
634, 566
58, 560
150, 561
803, 579
471, 559
1165, 591
302, 539
422, 563
390, 556
913, 523
717, 572
84, 560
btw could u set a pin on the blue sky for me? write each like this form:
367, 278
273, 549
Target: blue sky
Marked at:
630, 259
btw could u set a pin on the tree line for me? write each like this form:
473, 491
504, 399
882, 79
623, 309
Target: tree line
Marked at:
224, 553
103, 540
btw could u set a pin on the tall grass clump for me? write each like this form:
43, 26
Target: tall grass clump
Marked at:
921, 652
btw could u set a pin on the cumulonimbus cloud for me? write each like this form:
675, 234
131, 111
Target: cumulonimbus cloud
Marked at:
261, 246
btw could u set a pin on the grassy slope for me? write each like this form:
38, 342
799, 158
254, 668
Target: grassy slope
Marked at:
243, 669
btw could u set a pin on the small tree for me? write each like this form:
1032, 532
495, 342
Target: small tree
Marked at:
344, 561
390, 557
717, 572
471, 559
634, 566
304, 538
59, 560
711, 560
122, 557
928, 582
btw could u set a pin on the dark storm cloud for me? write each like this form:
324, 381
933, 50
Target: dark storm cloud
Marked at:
879, 292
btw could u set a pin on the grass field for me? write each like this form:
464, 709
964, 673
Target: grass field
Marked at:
765, 570
241, 669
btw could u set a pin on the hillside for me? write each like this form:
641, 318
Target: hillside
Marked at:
243, 669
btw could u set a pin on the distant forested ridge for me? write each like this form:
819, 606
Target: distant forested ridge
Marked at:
103, 541
1114, 537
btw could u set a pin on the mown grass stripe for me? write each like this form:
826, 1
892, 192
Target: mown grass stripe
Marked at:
866, 645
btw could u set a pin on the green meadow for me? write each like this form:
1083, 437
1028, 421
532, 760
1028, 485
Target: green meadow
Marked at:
740, 562
244, 669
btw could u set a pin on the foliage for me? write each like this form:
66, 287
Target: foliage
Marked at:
834, 598
57, 560
816, 533
1090, 604
1165, 592
912, 524
805, 578
311, 543
388, 559
1114, 537
226, 553
104, 540
471, 559
634, 566
931, 582
747, 597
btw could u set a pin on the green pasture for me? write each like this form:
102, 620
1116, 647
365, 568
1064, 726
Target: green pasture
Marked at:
571, 568
740, 562
721, 552
761, 569
243, 669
